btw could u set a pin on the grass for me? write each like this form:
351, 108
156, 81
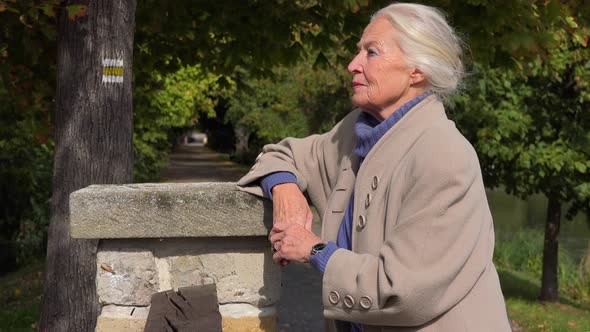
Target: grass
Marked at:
21, 293
521, 292
519, 263
554, 317
523, 252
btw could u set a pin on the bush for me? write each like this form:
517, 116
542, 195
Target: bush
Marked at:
25, 174
523, 252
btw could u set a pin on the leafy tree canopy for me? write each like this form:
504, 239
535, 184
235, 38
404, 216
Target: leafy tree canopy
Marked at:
531, 124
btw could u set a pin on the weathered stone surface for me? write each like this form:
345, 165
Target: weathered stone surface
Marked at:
239, 317
241, 277
237, 310
119, 324
134, 278
167, 210
125, 311
242, 268
250, 324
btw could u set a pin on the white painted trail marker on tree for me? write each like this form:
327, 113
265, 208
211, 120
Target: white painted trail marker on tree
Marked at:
112, 71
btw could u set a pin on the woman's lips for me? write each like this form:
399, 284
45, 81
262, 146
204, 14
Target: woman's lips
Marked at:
357, 84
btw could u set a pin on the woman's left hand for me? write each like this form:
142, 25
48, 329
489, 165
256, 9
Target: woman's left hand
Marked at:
292, 242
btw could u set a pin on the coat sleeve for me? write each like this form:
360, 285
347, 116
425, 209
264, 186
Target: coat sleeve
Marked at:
433, 255
313, 160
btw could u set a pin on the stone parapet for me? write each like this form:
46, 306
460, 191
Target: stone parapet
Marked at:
168, 210
157, 237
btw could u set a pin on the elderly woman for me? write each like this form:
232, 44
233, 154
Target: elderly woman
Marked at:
407, 236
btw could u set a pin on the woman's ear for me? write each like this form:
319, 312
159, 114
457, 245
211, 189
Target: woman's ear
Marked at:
417, 76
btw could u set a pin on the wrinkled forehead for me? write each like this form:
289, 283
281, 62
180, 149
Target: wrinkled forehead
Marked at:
379, 31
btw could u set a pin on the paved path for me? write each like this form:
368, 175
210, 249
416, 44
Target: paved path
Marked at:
196, 163
300, 306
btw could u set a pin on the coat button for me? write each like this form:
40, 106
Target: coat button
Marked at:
349, 301
368, 201
334, 297
366, 302
375, 182
362, 222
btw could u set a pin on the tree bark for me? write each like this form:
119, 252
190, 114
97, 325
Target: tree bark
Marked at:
549, 281
93, 145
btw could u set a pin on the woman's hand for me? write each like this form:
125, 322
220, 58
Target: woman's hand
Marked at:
292, 242
290, 206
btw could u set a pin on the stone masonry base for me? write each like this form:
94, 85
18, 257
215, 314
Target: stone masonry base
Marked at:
158, 237
241, 268
235, 318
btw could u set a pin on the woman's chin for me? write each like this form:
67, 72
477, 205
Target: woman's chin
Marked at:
358, 101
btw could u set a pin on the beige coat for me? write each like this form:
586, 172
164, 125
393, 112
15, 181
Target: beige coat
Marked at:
423, 236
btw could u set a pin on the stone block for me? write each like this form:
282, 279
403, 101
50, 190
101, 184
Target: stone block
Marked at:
134, 278
241, 317
122, 319
250, 324
167, 211
125, 311
119, 324
237, 317
240, 277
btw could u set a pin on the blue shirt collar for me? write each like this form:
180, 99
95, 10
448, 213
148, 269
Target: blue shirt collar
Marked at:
370, 130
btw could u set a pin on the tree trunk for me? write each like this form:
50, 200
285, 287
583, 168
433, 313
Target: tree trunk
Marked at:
549, 285
93, 145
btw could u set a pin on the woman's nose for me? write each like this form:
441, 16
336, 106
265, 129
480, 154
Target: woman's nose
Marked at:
354, 65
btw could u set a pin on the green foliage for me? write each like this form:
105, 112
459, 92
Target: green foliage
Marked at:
26, 188
269, 108
295, 102
520, 252
255, 35
523, 253
498, 32
75, 11
530, 126
27, 68
166, 106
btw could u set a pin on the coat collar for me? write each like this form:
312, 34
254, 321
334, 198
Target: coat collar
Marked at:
406, 131
385, 155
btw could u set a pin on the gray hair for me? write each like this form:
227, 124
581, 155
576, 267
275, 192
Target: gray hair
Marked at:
429, 44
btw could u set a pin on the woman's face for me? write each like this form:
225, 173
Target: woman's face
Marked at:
381, 79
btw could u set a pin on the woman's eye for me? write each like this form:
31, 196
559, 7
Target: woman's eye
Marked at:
371, 52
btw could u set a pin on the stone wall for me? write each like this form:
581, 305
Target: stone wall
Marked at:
156, 237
